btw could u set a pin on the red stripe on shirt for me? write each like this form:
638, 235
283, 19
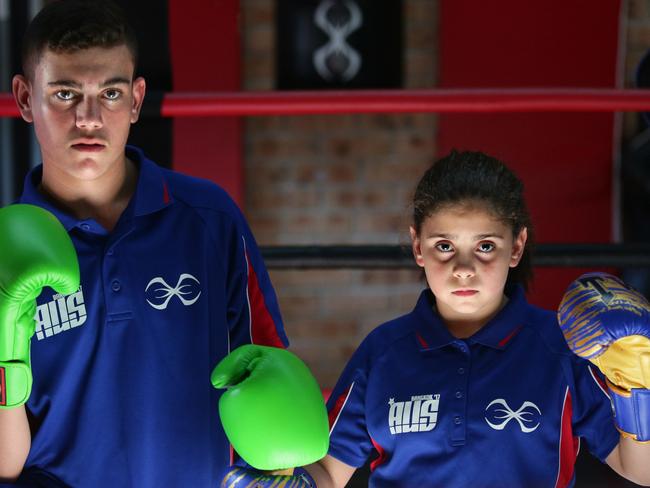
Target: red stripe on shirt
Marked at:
165, 193
422, 342
263, 330
507, 339
569, 445
381, 456
333, 414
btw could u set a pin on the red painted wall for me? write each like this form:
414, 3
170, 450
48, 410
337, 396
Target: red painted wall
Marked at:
565, 160
204, 39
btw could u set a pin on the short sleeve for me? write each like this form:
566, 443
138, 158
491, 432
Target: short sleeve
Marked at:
593, 418
253, 310
349, 438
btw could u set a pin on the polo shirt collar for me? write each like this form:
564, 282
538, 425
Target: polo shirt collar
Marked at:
151, 193
499, 331
431, 332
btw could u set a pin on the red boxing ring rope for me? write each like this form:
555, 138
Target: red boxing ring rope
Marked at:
391, 101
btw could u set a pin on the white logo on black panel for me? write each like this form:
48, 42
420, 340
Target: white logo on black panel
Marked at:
337, 59
419, 414
499, 414
159, 292
62, 313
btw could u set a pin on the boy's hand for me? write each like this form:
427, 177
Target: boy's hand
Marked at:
273, 412
35, 251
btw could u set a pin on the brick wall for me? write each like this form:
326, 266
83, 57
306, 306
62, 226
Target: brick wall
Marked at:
339, 179
348, 179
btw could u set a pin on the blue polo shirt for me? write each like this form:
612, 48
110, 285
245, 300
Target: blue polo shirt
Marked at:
122, 394
508, 406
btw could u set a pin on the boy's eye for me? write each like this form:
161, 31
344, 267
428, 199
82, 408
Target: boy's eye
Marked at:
64, 95
444, 247
112, 94
486, 247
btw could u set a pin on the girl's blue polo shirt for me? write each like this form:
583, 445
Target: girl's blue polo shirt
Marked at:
508, 406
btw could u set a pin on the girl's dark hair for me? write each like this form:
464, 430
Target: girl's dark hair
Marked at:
66, 26
473, 176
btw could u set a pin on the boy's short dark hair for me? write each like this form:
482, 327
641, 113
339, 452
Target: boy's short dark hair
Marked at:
66, 26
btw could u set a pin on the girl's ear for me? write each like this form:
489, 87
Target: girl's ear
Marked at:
518, 247
415, 246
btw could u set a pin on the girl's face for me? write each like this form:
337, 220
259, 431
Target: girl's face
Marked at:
466, 252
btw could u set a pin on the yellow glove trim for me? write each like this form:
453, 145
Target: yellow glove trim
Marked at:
626, 362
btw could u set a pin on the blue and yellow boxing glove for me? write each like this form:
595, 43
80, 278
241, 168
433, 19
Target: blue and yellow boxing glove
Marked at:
608, 323
239, 477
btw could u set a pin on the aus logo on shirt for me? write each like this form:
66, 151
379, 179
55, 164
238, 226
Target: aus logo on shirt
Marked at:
61, 313
419, 414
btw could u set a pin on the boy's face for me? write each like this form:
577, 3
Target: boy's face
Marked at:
82, 105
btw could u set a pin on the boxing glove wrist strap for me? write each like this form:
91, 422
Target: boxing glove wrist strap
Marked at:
631, 411
15, 383
304, 475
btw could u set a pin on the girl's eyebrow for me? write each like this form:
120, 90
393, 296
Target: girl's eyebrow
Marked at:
477, 237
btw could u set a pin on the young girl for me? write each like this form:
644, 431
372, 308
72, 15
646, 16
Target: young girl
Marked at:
474, 387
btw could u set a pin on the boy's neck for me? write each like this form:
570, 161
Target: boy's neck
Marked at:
102, 199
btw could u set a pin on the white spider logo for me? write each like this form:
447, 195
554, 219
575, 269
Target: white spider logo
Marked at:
524, 416
165, 292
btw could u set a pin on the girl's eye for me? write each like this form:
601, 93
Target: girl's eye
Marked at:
486, 247
444, 247
112, 94
64, 95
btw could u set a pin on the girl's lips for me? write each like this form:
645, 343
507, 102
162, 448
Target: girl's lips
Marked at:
465, 293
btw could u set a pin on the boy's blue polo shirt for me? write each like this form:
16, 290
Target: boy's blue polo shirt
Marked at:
122, 393
506, 407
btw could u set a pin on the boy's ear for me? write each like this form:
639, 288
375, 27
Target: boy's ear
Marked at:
22, 91
518, 247
138, 89
416, 247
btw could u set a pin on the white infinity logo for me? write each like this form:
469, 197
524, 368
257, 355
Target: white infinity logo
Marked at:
522, 416
165, 292
337, 44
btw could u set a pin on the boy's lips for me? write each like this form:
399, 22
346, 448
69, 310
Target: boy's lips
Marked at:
90, 147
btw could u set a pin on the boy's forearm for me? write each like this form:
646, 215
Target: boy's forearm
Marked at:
15, 442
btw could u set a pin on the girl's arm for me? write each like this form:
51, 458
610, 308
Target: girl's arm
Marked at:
329, 472
631, 459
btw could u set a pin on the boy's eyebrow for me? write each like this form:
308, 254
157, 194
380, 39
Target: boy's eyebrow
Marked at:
117, 80
70, 83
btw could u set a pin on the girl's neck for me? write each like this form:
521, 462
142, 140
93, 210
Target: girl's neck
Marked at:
462, 327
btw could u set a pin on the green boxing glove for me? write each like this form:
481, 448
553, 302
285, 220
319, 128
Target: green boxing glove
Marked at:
35, 251
273, 412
